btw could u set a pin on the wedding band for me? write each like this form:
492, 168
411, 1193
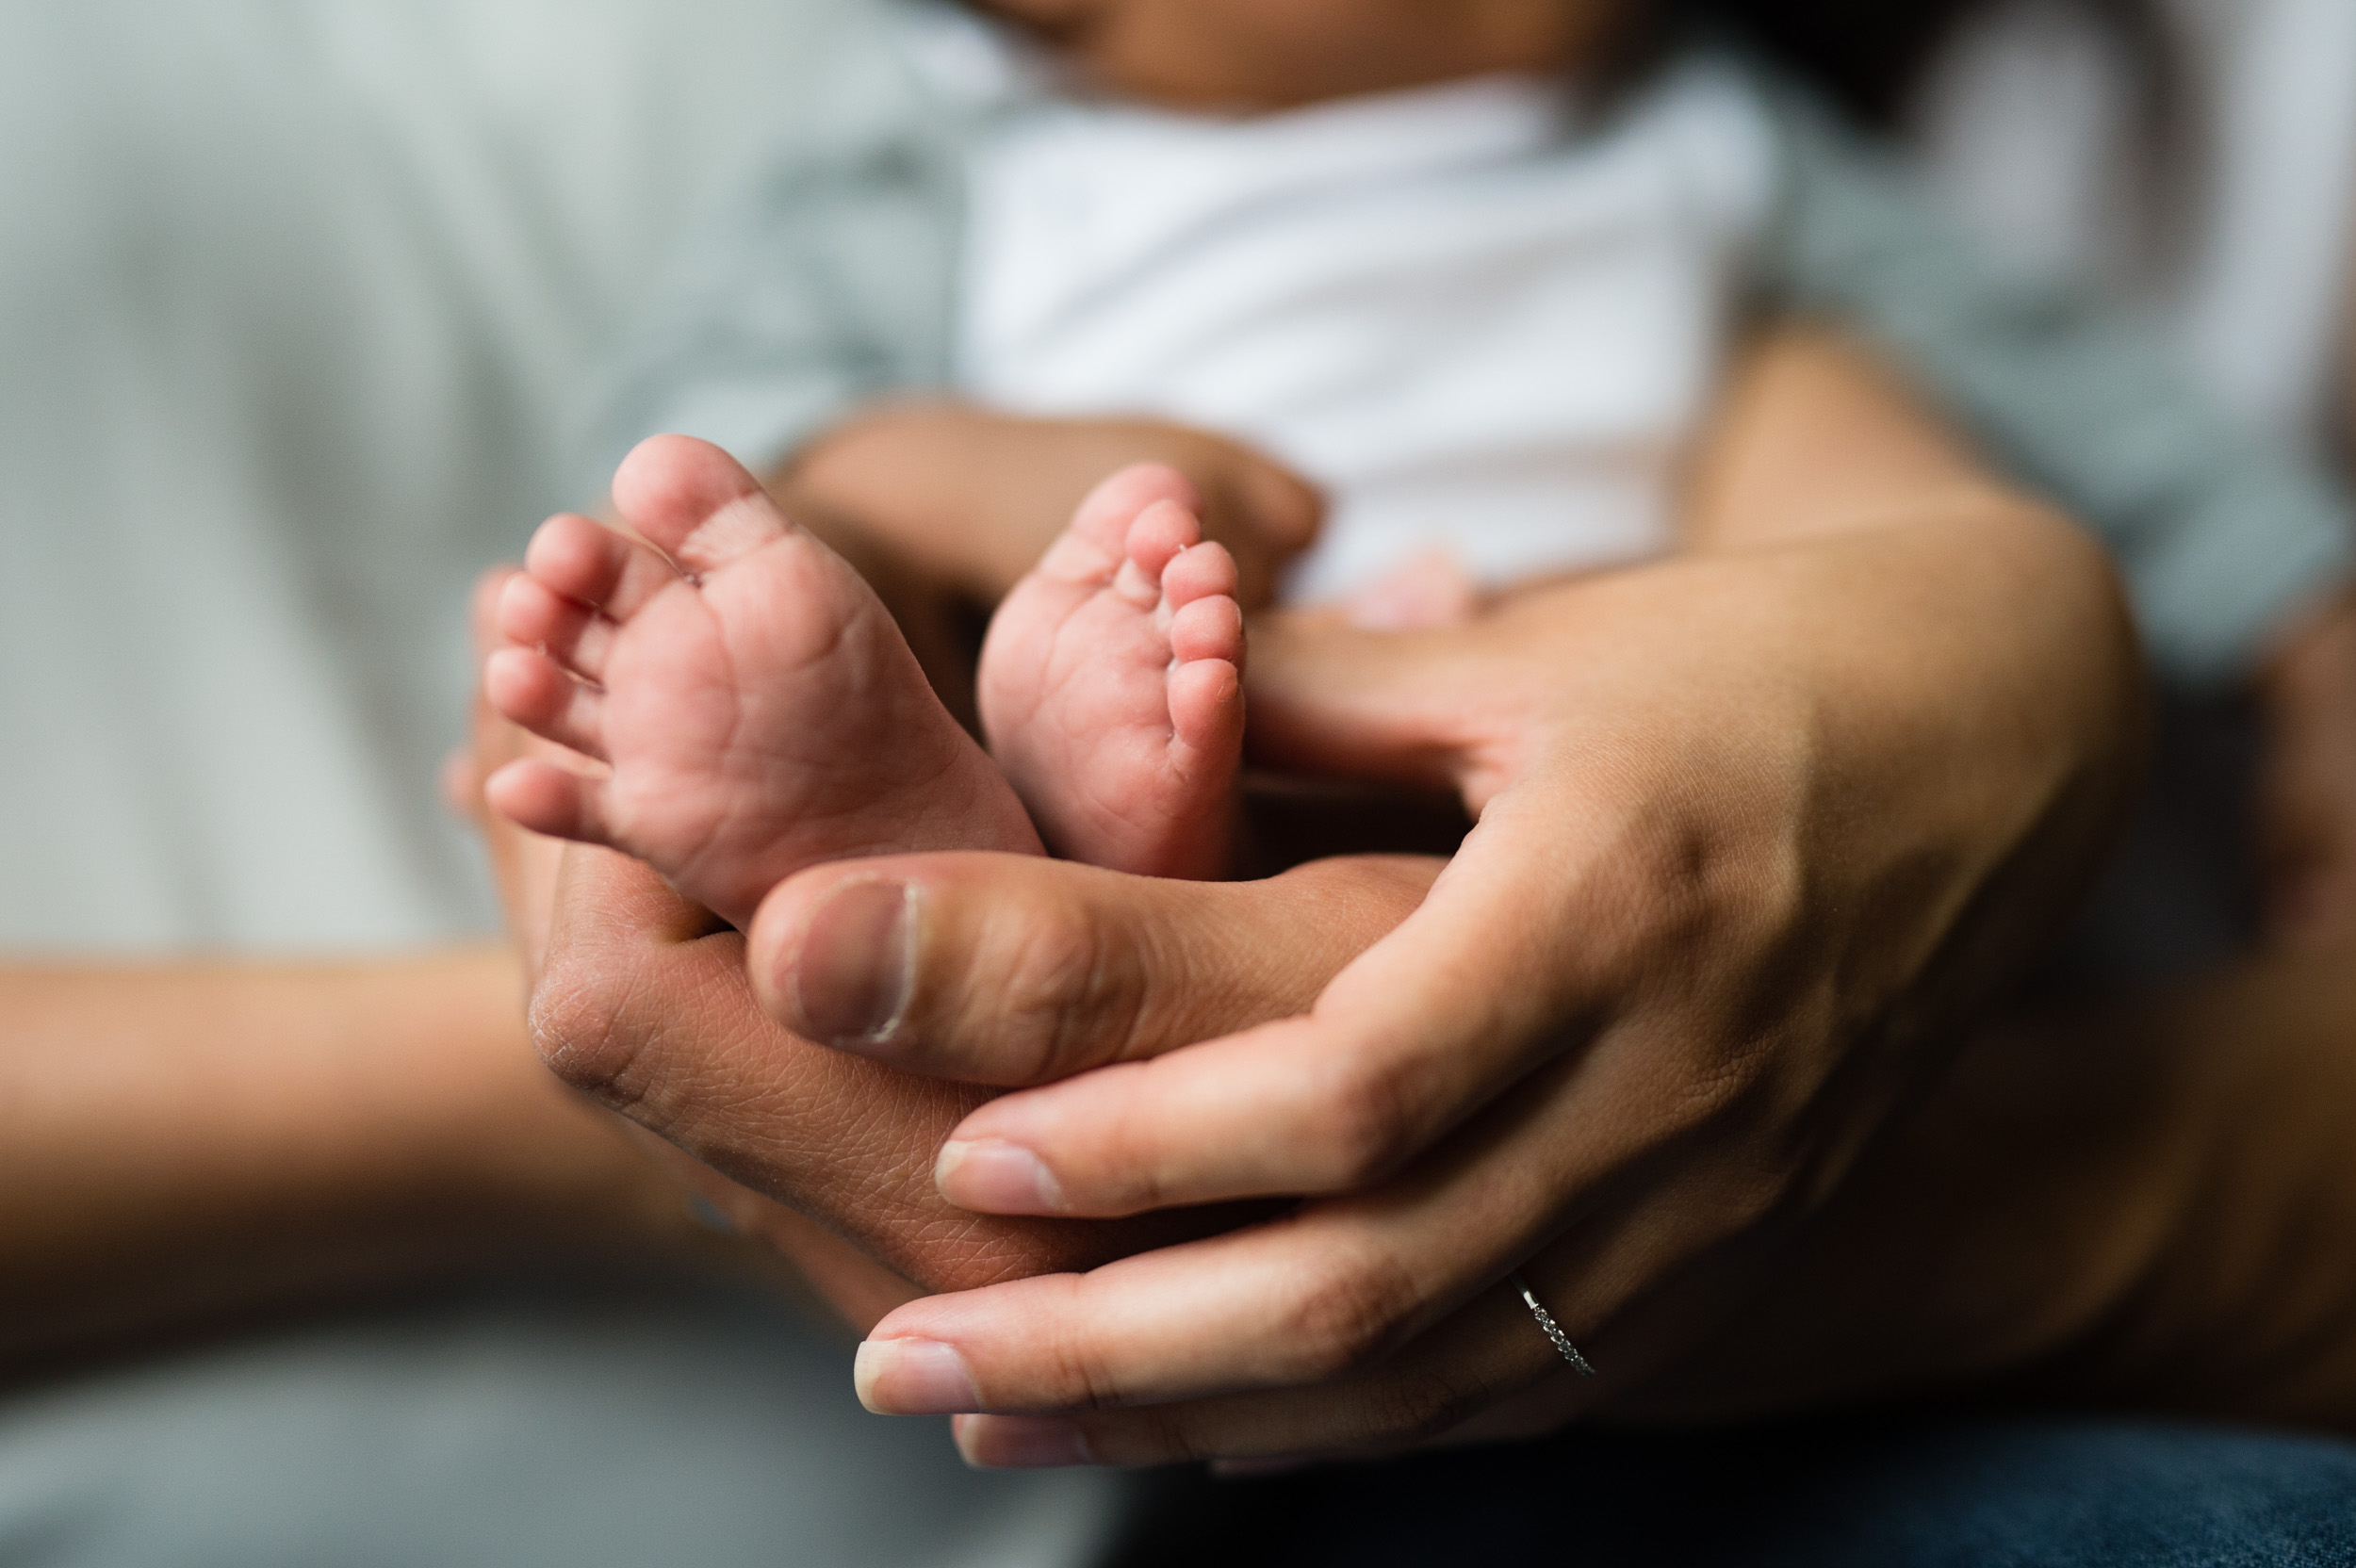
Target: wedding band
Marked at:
1553, 1329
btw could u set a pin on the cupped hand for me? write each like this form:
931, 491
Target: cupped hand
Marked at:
643, 1003
1824, 793
1758, 831
974, 496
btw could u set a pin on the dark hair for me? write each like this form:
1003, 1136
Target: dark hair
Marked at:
1871, 56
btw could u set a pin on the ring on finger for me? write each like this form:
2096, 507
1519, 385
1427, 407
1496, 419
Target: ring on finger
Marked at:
1554, 1334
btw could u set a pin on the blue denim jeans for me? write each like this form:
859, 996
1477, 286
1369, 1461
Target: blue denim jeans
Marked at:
1860, 1493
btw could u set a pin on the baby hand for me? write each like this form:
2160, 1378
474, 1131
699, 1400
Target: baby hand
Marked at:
2307, 785
975, 496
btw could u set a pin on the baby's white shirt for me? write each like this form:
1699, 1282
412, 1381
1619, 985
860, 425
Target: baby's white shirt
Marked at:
1479, 326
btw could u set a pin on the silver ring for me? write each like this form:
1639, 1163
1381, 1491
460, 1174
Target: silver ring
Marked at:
1553, 1331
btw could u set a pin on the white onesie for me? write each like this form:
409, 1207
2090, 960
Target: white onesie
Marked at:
1481, 327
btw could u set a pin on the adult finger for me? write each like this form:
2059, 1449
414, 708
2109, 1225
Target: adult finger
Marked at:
1416, 1033
1006, 970
1472, 991
1487, 1372
1333, 1289
1649, 848
1489, 1352
644, 1005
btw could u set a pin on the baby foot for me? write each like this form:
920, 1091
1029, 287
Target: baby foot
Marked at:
755, 707
1110, 684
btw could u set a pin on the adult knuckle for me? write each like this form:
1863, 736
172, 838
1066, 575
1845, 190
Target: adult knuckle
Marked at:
1028, 985
1162, 1435
582, 1025
1071, 989
1366, 1129
1418, 1405
1079, 1373
1346, 1316
1718, 1085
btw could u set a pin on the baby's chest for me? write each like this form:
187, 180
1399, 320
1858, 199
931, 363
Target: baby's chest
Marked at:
1356, 324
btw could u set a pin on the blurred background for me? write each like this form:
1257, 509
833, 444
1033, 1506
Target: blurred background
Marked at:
2196, 156
298, 301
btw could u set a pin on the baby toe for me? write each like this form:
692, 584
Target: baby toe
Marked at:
1161, 532
1103, 517
1206, 712
531, 614
528, 688
1199, 572
577, 558
1207, 628
693, 501
547, 799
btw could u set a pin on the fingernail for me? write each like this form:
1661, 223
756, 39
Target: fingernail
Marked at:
913, 1376
855, 969
990, 1176
1022, 1443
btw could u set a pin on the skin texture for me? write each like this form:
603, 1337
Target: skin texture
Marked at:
1899, 534
852, 1142
1230, 55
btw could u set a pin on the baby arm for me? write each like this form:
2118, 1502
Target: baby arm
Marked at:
974, 496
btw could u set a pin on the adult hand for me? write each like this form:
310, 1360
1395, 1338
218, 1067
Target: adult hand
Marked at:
975, 495
1956, 697
645, 1004
1746, 853
1758, 830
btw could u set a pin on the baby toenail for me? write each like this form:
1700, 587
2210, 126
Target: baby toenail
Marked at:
856, 969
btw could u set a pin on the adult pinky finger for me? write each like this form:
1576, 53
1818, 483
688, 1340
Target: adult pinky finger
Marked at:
1490, 1351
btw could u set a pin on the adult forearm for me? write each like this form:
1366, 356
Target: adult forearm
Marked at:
1815, 436
178, 1140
